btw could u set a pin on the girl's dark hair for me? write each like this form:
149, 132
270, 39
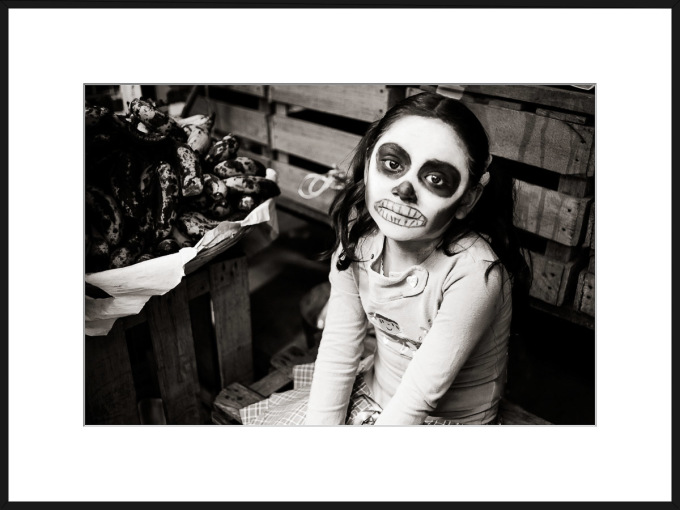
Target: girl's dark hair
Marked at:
491, 216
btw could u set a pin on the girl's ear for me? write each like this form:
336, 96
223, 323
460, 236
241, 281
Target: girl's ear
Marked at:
468, 201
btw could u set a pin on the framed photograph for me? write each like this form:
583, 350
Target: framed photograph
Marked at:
144, 376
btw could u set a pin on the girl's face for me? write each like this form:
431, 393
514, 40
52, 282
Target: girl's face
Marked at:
416, 176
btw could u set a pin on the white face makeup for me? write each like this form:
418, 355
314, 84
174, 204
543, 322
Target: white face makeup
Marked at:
416, 176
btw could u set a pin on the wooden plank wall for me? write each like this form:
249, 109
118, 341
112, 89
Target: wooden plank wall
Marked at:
542, 135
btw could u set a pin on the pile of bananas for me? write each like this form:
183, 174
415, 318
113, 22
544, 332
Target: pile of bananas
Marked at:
155, 183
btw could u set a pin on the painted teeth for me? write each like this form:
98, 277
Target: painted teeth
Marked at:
399, 219
404, 210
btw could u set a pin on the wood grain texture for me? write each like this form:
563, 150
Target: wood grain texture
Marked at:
234, 397
291, 178
535, 140
585, 293
590, 230
231, 308
251, 124
253, 90
362, 102
242, 122
573, 100
173, 346
110, 397
567, 117
550, 214
314, 142
272, 382
198, 283
553, 280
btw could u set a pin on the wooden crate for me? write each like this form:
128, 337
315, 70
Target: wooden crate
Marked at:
182, 348
317, 127
239, 109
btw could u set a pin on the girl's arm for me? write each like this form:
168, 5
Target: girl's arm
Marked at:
339, 351
469, 305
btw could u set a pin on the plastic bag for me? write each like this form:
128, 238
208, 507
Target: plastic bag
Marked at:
131, 287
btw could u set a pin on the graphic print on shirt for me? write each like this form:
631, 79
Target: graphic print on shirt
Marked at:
391, 331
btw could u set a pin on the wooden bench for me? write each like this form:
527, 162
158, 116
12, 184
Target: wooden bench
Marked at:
236, 395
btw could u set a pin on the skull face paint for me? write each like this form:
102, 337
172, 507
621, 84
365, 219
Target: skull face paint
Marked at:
415, 177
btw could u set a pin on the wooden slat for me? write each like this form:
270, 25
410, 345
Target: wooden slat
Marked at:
590, 169
173, 346
590, 230
290, 179
553, 280
362, 102
234, 397
271, 382
585, 293
253, 90
550, 214
567, 117
231, 307
198, 284
314, 142
243, 122
535, 140
285, 359
575, 100
110, 397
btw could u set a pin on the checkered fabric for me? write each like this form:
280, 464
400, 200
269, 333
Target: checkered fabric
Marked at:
290, 407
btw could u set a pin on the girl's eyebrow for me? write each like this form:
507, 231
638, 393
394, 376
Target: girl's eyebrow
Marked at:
441, 165
397, 148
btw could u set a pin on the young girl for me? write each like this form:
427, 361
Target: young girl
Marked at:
426, 254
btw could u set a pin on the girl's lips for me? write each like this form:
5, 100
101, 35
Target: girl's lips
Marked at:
401, 215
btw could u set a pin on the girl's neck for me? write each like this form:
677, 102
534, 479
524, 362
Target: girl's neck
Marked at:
400, 255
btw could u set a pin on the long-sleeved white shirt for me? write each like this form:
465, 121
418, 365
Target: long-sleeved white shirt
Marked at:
442, 332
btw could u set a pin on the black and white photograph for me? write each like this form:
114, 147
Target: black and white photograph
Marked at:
254, 249
242, 267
